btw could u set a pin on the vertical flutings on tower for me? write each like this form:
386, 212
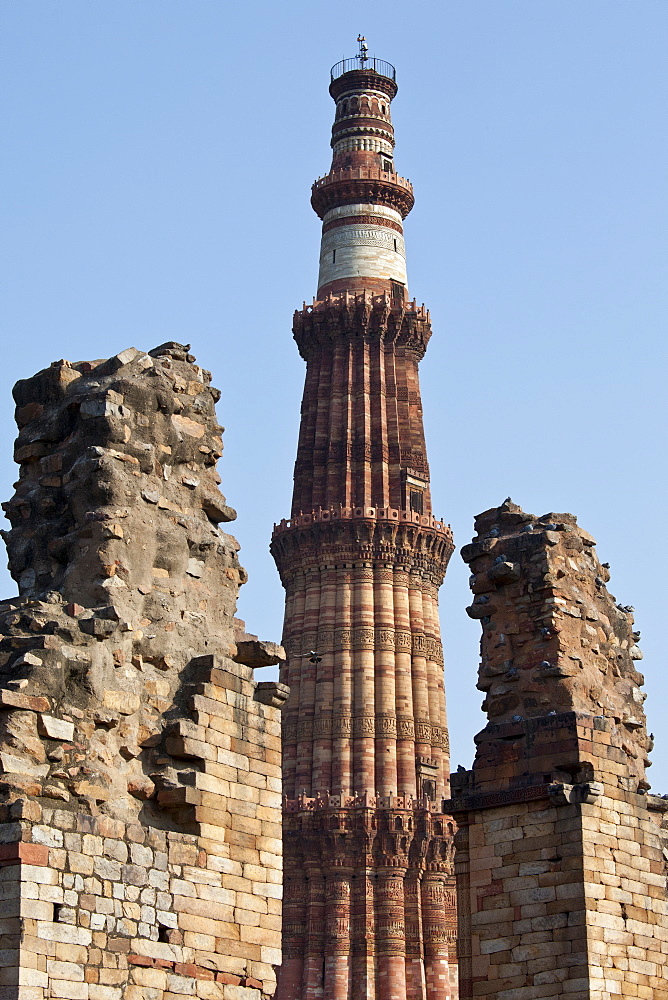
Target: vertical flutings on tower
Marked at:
369, 909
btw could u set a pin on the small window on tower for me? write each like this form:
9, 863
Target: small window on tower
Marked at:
333, 256
417, 501
395, 246
387, 165
429, 789
398, 291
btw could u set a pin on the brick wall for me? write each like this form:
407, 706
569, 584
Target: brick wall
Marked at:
140, 795
561, 857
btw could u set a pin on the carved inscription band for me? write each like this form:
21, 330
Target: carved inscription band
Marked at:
379, 726
333, 640
369, 236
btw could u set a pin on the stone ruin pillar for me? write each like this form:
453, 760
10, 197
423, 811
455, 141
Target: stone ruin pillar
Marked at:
140, 836
561, 878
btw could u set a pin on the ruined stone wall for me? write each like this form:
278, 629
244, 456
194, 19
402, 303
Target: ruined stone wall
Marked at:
140, 850
561, 874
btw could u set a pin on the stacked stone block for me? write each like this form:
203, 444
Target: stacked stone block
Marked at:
140, 837
561, 875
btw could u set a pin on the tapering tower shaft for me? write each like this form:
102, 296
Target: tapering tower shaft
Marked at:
369, 905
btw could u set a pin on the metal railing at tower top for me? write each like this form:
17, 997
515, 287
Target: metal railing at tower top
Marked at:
379, 66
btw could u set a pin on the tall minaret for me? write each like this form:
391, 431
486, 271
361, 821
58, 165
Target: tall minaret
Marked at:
369, 895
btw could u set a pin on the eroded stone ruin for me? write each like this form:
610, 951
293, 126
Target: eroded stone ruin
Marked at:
561, 853
140, 850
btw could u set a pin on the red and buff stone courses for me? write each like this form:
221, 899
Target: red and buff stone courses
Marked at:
368, 893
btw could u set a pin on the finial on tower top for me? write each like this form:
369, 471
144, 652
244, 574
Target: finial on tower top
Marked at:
363, 53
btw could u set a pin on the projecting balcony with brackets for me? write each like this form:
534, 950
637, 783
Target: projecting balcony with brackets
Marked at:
350, 185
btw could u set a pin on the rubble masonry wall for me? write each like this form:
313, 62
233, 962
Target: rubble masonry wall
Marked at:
140, 836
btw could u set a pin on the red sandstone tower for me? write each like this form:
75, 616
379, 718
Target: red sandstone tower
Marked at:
369, 895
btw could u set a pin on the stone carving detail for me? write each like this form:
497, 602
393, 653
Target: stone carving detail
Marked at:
343, 638
333, 640
363, 637
367, 725
419, 644
386, 725
305, 729
338, 888
289, 732
342, 725
364, 725
403, 641
384, 638
362, 220
405, 729
422, 732
322, 726
326, 641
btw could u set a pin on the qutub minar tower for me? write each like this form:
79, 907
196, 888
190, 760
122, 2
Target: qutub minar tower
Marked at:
369, 908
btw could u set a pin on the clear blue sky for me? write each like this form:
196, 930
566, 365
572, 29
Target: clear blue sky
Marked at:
157, 161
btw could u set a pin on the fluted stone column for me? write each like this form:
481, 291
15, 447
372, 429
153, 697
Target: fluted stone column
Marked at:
313, 963
295, 909
435, 936
416, 983
338, 930
364, 935
391, 935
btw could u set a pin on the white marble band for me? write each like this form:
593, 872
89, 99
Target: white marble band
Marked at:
364, 251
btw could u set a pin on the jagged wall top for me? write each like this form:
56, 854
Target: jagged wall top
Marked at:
553, 639
128, 587
117, 501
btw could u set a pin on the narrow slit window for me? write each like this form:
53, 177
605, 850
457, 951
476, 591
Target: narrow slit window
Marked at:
417, 501
429, 789
333, 256
398, 291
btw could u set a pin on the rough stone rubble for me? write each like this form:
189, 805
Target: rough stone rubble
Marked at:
561, 853
553, 639
140, 784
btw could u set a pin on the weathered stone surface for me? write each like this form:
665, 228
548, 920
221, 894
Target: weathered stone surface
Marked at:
272, 693
553, 639
562, 857
55, 729
254, 653
129, 738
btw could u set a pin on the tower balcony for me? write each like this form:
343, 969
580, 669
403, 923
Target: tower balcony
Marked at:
370, 74
353, 185
339, 512
371, 64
